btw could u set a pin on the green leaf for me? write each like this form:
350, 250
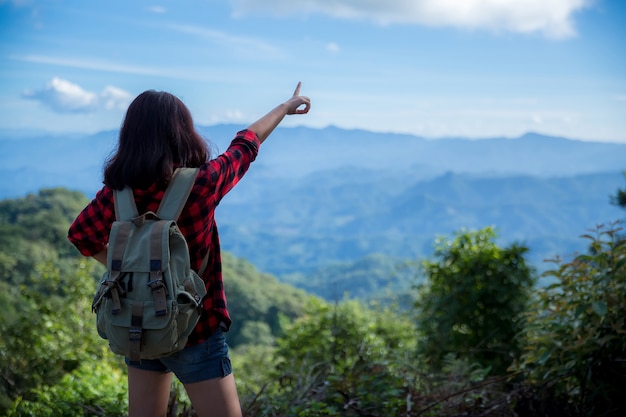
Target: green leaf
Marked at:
599, 307
579, 310
545, 356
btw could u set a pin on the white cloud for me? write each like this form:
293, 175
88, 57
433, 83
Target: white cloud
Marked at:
333, 48
243, 44
113, 98
92, 64
184, 72
157, 9
553, 18
226, 116
63, 96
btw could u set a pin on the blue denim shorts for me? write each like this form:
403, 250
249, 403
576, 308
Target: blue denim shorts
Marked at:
207, 360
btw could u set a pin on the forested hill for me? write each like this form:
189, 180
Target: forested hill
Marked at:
33, 232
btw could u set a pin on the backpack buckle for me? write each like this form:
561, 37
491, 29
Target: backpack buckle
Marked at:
134, 333
134, 345
158, 295
115, 290
156, 284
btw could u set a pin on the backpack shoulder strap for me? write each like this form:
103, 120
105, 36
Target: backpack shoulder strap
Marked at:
175, 198
124, 202
177, 193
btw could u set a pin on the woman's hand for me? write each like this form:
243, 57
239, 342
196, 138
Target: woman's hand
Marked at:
266, 124
296, 101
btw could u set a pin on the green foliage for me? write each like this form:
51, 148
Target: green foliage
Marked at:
92, 389
48, 334
49, 342
351, 360
296, 355
49, 347
351, 333
260, 306
44, 217
576, 333
380, 278
473, 299
252, 365
33, 230
339, 360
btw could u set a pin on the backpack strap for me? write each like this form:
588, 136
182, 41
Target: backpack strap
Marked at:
171, 205
115, 266
177, 193
135, 332
125, 207
175, 198
156, 283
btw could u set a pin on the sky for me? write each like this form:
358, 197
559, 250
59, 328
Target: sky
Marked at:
432, 68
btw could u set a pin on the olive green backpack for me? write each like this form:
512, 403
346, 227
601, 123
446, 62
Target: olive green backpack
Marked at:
149, 299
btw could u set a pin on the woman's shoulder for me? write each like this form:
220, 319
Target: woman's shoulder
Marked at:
105, 194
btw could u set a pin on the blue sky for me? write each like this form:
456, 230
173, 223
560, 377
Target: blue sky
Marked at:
433, 68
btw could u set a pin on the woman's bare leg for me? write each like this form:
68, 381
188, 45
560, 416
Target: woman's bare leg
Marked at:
148, 392
215, 397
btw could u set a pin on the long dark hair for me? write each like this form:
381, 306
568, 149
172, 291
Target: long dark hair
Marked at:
157, 136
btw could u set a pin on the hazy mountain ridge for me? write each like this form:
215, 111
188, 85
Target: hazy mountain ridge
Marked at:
286, 228
76, 161
315, 197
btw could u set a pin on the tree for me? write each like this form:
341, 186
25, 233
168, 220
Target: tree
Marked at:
350, 359
51, 357
259, 304
340, 360
575, 340
472, 301
619, 198
33, 230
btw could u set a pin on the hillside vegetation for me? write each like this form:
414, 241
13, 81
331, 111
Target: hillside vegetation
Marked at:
475, 337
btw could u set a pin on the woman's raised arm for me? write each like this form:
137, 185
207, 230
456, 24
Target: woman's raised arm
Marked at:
266, 124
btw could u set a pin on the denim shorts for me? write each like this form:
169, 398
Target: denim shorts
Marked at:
207, 360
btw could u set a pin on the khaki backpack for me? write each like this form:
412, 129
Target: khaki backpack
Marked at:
149, 299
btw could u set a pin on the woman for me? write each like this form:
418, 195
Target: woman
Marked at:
156, 137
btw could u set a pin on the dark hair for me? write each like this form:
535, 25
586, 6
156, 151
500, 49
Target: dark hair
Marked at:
157, 136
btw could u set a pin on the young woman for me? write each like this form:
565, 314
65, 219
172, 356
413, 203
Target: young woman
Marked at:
157, 136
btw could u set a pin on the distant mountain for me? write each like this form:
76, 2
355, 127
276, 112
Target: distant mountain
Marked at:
321, 197
297, 225
31, 160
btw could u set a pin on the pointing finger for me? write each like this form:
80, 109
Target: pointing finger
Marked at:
297, 92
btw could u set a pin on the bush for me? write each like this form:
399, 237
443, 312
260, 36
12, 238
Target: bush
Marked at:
50, 352
471, 303
338, 361
575, 340
93, 389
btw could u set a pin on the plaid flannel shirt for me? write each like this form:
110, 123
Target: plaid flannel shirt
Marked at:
90, 230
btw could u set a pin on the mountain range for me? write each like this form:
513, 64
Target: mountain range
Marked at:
320, 197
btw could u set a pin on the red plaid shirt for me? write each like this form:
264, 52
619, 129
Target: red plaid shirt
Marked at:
90, 230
